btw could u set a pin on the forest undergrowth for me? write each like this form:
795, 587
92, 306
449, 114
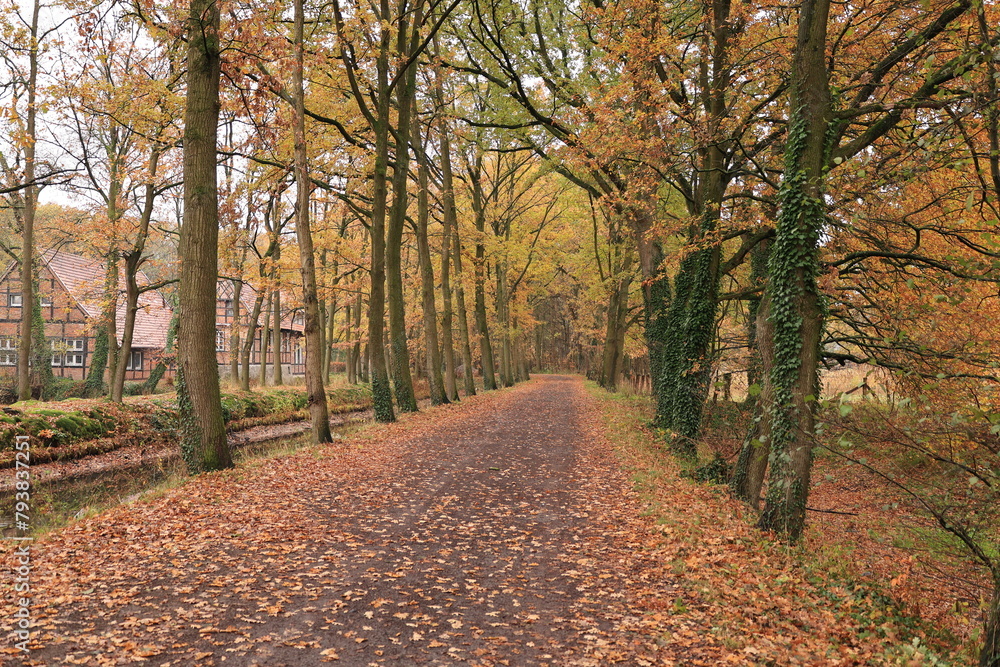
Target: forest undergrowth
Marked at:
858, 588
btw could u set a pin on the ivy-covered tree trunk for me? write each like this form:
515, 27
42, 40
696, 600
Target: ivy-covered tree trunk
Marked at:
689, 357
796, 310
94, 384
203, 433
687, 362
41, 349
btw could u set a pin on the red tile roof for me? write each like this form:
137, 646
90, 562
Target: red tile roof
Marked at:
84, 279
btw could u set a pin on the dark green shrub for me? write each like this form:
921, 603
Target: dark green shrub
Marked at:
80, 427
68, 424
233, 408
133, 388
8, 390
163, 419
63, 388
716, 471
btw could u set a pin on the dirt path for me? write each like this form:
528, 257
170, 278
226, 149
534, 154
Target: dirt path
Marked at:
498, 531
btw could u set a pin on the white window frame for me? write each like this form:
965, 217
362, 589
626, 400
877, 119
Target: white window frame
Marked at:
220, 340
133, 356
298, 356
8, 352
73, 356
45, 301
57, 357
14, 300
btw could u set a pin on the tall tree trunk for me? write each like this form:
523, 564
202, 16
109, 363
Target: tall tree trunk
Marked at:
276, 336
330, 340
203, 433
435, 379
381, 391
114, 348
265, 340
133, 260
617, 315
468, 378
318, 410
361, 372
252, 327
24, 351
503, 316
41, 351
350, 366
450, 223
234, 335
751, 467
687, 357
402, 382
748, 474
482, 325
128, 327
366, 364
102, 340
796, 313
656, 298
266, 271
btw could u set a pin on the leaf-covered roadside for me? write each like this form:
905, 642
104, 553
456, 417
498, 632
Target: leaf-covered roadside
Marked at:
73, 429
502, 530
495, 531
746, 599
